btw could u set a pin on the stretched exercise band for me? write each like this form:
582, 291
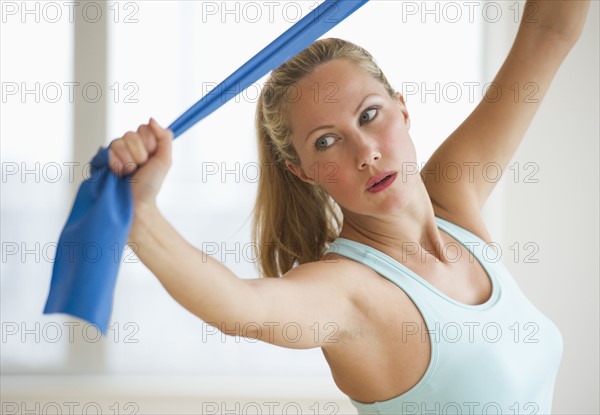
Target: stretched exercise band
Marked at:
91, 244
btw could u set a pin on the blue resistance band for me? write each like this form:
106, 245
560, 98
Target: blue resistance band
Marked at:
91, 244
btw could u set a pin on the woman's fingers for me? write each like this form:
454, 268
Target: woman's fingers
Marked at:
120, 158
148, 138
147, 152
164, 138
135, 148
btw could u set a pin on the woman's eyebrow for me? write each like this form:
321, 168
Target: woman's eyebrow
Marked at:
362, 102
331, 126
323, 127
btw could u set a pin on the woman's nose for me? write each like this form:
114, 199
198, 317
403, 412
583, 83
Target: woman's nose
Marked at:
367, 152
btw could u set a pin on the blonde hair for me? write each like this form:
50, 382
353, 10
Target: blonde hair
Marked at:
294, 221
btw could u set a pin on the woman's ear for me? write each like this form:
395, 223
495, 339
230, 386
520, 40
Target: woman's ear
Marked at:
400, 98
299, 173
404, 109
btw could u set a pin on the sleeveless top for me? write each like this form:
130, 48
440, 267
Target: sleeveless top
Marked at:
499, 357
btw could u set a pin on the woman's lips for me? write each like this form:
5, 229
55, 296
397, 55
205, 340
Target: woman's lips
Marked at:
381, 182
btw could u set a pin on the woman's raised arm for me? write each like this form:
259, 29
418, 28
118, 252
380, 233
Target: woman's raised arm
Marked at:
493, 131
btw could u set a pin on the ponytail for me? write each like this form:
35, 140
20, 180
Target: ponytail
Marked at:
293, 220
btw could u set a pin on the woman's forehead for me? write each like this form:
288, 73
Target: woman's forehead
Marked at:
340, 72
332, 87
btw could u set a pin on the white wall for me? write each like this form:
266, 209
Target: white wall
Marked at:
558, 215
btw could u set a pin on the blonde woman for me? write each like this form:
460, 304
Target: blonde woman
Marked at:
387, 265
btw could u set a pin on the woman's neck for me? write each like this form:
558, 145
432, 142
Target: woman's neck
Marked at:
410, 234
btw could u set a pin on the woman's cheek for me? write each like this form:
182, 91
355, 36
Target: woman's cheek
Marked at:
340, 188
322, 172
330, 172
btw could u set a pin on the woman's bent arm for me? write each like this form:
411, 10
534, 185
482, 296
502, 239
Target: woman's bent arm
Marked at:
302, 310
202, 285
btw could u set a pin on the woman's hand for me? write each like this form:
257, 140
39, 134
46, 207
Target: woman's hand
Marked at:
147, 154
562, 19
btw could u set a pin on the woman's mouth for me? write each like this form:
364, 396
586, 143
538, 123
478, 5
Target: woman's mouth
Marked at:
382, 182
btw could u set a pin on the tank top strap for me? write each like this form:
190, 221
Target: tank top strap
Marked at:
372, 258
407, 279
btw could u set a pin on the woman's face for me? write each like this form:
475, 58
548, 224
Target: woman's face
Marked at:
349, 133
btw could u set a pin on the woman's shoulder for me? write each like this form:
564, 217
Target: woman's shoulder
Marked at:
330, 268
335, 273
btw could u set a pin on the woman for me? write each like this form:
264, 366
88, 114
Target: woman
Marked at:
344, 218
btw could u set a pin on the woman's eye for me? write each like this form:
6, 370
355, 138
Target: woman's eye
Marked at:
323, 142
368, 115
